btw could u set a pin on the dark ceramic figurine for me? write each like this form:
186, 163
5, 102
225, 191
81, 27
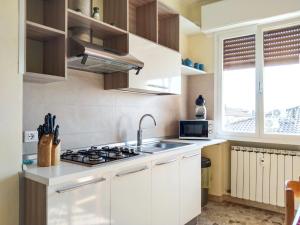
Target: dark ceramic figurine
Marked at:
200, 108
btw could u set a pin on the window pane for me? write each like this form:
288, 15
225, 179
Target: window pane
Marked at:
282, 99
281, 81
239, 100
238, 84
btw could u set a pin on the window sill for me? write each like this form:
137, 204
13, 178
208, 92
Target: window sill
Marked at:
271, 140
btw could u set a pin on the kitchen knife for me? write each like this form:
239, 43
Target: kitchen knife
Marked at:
45, 125
50, 123
45, 129
40, 132
56, 134
46, 119
53, 122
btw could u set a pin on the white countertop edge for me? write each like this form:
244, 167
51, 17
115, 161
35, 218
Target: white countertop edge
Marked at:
65, 171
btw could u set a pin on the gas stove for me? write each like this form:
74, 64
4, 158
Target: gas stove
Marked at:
94, 156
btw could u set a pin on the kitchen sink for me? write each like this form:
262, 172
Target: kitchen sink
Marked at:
156, 147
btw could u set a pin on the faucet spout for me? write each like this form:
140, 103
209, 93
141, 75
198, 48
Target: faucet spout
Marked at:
140, 131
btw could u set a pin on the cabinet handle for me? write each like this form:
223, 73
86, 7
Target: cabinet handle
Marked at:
157, 86
190, 156
72, 188
167, 162
132, 172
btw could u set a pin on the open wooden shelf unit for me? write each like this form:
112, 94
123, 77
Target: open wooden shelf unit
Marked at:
45, 41
49, 22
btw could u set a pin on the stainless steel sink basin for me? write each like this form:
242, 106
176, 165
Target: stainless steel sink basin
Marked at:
156, 147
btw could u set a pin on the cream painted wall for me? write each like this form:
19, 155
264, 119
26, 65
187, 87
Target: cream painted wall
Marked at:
178, 5
201, 49
10, 114
201, 85
220, 168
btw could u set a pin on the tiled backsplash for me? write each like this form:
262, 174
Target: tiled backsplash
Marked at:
89, 115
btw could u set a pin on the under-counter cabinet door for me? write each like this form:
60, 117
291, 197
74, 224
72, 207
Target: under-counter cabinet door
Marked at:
190, 169
165, 192
84, 203
131, 196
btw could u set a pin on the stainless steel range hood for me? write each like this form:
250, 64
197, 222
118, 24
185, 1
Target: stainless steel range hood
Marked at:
92, 58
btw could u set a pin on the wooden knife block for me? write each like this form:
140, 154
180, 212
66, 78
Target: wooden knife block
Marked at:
44, 151
55, 154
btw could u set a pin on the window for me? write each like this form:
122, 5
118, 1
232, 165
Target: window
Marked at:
281, 81
258, 84
239, 77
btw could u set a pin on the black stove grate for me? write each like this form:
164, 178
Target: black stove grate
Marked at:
94, 156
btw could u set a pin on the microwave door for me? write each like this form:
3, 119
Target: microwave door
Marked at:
194, 129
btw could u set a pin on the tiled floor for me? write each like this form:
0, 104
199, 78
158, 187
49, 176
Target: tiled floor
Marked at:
227, 213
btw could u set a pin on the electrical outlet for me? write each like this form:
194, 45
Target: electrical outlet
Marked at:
31, 136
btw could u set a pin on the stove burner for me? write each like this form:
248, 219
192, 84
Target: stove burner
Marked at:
82, 152
95, 156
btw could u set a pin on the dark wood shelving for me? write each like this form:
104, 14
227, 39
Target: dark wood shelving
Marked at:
143, 18
168, 27
45, 41
100, 29
49, 13
41, 32
50, 22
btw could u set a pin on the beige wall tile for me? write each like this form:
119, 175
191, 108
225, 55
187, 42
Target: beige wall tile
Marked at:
89, 115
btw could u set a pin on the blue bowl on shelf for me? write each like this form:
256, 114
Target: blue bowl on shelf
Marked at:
196, 66
201, 66
188, 62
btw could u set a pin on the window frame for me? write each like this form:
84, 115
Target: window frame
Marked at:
259, 135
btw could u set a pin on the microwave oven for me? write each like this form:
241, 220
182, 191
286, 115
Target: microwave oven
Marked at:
196, 129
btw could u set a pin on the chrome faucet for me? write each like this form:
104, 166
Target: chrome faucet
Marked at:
140, 131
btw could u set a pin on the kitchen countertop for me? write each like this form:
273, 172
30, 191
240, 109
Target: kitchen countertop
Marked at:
67, 171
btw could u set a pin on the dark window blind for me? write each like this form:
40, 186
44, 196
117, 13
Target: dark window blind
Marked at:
239, 52
282, 46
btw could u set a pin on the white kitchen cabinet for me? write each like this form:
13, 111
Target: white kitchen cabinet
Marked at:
161, 73
162, 69
131, 196
80, 203
190, 180
165, 192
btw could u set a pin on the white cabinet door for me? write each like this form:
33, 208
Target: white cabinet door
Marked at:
162, 67
83, 203
165, 192
190, 170
131, 196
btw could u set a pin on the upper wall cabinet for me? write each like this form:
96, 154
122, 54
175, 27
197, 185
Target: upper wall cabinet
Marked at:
161, 74
168, 27
143, 18
45, 40
109, 31
48, 13
48, 24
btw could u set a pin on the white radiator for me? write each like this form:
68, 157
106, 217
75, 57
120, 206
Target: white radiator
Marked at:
259, 174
